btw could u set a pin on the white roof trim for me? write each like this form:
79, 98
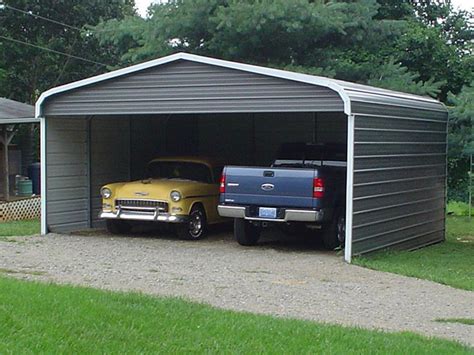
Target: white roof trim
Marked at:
340, 87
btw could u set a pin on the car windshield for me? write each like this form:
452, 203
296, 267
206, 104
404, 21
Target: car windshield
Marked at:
179, 170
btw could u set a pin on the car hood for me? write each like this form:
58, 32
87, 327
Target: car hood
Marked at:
156, 188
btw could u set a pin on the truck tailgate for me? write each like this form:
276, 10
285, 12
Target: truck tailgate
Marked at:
286, 187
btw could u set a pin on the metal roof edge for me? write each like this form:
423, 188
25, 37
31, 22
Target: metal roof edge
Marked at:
19, 120
102, 77
304, 78
341, 87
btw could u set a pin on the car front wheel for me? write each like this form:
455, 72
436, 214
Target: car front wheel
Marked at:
196, 227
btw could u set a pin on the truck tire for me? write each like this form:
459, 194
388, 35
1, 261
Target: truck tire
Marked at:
334, 233
117, 226
246, 233
196, 227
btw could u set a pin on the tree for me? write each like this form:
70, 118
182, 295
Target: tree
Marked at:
30, 70
427, 43
394, 76
461, 141
461, 118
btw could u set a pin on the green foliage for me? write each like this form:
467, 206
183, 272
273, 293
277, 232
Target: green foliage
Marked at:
457, 208
394, 76
467, 321
19, 228
29, 70
448, 263
42, 318
458, 182
461, 141
461, 121
416, 46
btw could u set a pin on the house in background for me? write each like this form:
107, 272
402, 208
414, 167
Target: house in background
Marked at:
12, 114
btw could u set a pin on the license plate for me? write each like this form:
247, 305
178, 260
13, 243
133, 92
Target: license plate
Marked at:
267, 212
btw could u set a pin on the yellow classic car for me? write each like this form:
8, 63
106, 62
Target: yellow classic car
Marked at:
180, 190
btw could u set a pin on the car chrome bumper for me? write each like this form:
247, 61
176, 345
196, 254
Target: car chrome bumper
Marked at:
291, 215
144, 216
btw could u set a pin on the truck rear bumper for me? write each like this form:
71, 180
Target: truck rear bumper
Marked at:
291, 215
144, 216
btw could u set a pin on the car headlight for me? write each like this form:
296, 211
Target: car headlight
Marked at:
175, 196
105, 192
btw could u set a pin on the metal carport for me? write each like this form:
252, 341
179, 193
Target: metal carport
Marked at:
396, 142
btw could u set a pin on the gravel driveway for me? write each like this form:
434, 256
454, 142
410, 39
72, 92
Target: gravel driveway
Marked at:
289, 279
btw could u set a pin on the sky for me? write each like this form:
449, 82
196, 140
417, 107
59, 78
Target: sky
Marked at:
142, 5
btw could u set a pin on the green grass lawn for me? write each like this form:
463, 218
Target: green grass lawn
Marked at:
19, 228
42, 318
450, 263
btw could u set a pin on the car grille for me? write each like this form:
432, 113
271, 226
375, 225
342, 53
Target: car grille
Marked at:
142, 205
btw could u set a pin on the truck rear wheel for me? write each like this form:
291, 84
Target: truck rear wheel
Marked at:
245, 232
334, 233
117, 226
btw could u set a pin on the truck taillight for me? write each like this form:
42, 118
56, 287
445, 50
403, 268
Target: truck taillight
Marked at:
318, 188
222, 184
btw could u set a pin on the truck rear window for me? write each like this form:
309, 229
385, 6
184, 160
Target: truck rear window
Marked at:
307, 154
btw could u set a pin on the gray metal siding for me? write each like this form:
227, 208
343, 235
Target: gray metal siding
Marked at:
67, 174
110, 158
399, 178
188, 87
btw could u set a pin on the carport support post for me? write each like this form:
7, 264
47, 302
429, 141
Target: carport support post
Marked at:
5, 139
349, 187
44, 229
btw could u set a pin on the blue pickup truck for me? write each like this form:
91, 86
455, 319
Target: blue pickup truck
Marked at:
305, 186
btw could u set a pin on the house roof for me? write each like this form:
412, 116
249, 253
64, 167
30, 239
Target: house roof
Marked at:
349, 92
16, 112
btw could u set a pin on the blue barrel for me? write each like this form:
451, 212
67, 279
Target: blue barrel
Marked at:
34, 173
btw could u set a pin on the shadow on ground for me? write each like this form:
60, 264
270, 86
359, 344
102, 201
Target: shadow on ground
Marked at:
272, 237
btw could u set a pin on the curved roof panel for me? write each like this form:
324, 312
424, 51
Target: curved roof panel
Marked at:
349, 92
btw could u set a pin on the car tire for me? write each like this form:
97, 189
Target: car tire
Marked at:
246, 233
334, 233
196, 227
117, 226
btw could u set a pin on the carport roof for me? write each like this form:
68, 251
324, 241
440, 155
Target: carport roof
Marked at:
12, 112
349, 92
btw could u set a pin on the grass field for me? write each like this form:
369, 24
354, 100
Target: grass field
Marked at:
19, 228
450, 263
41, 318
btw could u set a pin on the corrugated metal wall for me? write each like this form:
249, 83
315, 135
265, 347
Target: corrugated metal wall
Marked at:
110, 157
188, 87
399, 177
67, 174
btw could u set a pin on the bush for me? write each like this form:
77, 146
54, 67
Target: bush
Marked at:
458, 208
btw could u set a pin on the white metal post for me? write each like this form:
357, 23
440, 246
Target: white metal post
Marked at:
44, 228
349, 187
